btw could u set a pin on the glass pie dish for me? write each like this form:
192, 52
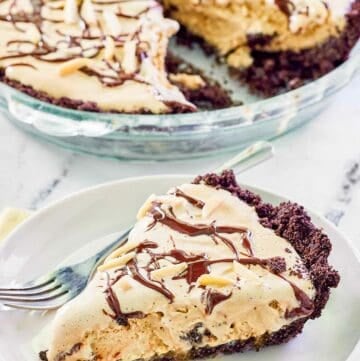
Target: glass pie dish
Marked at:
175, 136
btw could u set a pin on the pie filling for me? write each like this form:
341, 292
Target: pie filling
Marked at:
109, 55
199, 270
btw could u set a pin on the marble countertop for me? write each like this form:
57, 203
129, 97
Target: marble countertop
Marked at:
317, 166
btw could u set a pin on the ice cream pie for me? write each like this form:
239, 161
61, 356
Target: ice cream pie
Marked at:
208, 268
109, 55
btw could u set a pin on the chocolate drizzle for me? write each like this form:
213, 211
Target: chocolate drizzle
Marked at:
132, 270
146, 245
112, 300
212, 298
127, 16
44, 51
192, 230
247, 244
62, 356
195, 202
200, 204
22, 64
306, 304
199, 267
156, 286
285, 6
197, 264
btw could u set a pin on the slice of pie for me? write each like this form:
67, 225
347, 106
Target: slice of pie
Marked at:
208, 268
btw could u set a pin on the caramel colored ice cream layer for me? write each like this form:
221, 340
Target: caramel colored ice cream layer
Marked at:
109, 53
197, 270
279, 25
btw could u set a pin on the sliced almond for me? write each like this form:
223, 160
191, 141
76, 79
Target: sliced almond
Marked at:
148, 70
88, 12
169, 271
71, 12
117, 262
129, 61
122, 250
57, 4
112, 22
145, 207
182, 310
214, 281
27, 6
73, 65
109, 52
35, 36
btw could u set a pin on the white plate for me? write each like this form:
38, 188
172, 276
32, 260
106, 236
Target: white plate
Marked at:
56, 232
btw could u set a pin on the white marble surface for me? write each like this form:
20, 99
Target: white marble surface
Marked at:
310, 165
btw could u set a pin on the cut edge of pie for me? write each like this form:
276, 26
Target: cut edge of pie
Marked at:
284, 50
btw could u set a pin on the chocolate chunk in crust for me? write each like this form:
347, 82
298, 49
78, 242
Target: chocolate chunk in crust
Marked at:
196, 334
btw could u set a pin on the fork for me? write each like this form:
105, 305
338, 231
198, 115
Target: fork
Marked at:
60, 286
